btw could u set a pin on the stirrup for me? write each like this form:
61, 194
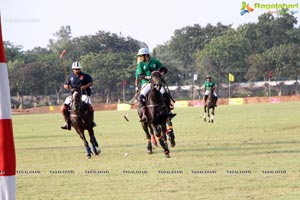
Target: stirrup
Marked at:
94, 124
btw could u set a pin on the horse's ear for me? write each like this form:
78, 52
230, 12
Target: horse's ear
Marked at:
156, 73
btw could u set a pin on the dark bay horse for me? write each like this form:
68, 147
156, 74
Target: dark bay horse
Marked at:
157, 115
81, 119
210, 104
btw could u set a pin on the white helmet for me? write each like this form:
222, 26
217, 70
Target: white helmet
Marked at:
143, 51
76, 65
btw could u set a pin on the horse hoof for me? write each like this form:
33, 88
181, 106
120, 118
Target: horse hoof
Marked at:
173, 143
167, 155
167, 152
149, 150
97, 152
88, 157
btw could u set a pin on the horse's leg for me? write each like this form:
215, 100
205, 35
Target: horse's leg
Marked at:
164, 134
212, 114
85, 142
204, 115
208, 114
153, 138
163, 130
148, 136
94, 142
160, 137
170, 133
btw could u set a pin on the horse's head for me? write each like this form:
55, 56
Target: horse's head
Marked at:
210, 97
211, 91
156, 80
76, 99
156, 109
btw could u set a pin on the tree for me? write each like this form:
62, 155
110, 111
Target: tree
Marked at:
12, 52
224, 54
179, 52
109, 71
63, 37
283, 60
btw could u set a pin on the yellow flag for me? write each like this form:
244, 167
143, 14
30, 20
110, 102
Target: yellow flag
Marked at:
231, 77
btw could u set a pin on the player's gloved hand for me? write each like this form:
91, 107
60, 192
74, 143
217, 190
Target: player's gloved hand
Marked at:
136, 89
147, 77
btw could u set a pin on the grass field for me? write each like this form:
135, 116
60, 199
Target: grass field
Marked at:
250, 152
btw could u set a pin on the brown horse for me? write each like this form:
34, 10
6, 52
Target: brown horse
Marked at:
210, 104
81, 119
157, 115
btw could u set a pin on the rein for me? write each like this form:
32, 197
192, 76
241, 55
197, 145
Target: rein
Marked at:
79, 114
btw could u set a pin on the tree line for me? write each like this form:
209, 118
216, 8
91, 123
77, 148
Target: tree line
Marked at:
249, 52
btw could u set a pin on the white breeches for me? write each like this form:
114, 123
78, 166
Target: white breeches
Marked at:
207, 93
84, 98
147, 87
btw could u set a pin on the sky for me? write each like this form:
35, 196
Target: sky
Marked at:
31, 23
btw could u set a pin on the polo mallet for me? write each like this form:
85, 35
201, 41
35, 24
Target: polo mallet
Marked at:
132, 100
63, 61
126, 117
168, 90
136, 95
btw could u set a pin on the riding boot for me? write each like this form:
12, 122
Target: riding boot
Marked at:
205, 98
216, 99
142, 106
66, 115
170, 133
167, 101
91, 109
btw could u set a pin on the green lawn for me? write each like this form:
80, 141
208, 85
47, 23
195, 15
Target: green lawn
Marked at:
250, 152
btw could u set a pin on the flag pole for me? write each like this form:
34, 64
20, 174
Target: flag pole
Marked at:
229, 88
230, 79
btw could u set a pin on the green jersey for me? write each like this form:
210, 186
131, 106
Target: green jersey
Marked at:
209, 85
144, 68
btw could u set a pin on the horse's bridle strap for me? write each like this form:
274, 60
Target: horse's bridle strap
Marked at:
152, 105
